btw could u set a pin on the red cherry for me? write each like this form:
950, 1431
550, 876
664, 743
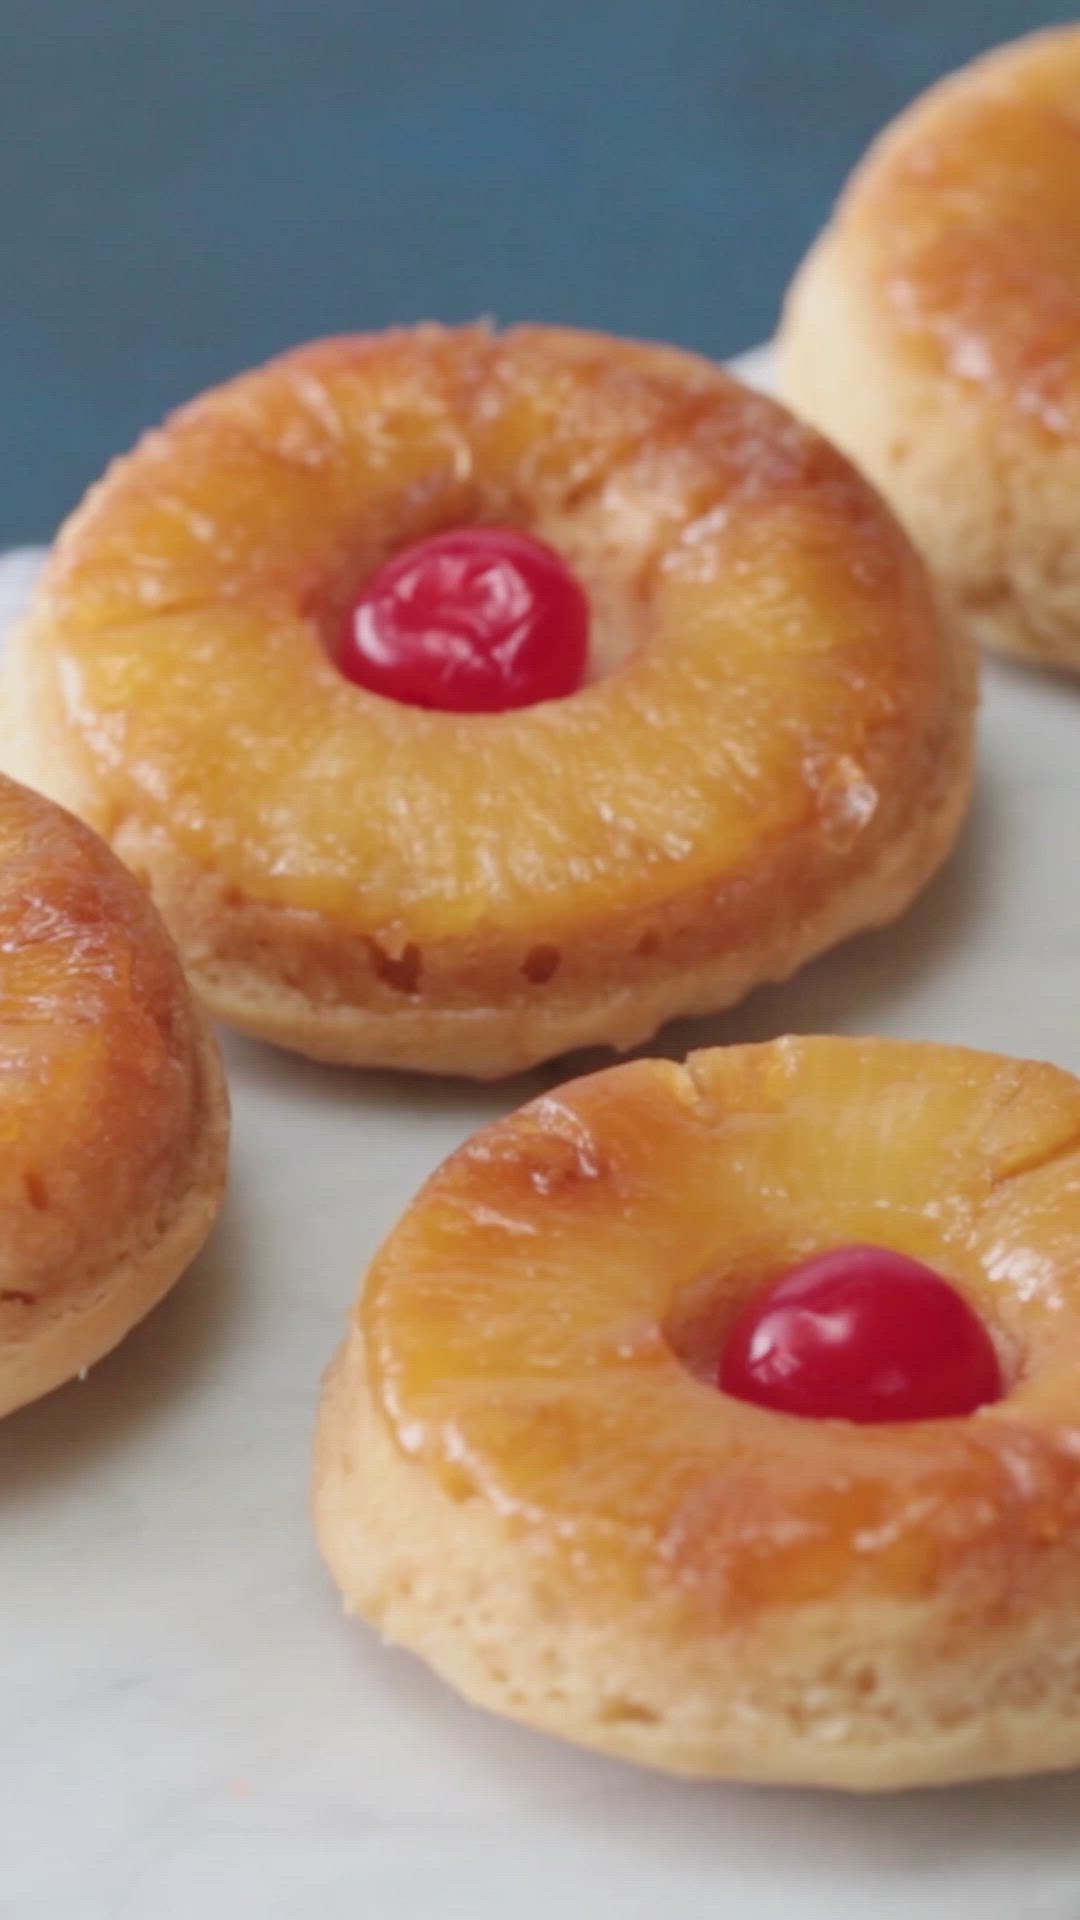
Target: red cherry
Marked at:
861, 1334
472, 622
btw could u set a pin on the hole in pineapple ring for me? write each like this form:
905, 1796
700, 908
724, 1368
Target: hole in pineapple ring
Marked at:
604, 544
858, 1333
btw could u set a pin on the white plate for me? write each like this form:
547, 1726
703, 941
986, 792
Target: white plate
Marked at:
189, 1726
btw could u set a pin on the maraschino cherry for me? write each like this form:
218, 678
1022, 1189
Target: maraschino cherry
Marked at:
474, 621
862, 1334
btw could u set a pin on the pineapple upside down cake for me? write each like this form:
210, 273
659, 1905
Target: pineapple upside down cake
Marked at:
463, 698
727, 1417
934, 332
113, 1111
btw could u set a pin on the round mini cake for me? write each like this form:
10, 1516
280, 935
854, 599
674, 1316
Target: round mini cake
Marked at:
113, 1109
727, 1417
464, 698
934, 332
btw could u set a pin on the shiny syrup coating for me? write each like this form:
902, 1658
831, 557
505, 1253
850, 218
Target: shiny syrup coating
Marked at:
733, 563
98, 1082
968, 218
542, 1328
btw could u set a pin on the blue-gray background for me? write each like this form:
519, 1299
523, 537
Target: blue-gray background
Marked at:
188, 185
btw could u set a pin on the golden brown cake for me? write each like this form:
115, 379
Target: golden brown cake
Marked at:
772, 750
934, 333
113, 1109
526, 1473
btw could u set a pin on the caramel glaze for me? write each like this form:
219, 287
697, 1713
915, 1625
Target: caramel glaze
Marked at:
968, 219
100, 1095
534, 1327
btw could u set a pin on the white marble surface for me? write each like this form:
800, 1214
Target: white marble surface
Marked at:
189, 1725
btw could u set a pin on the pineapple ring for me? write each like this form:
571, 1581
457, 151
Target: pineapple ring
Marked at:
113, 1108
524, 1474
934, 331
774, 749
